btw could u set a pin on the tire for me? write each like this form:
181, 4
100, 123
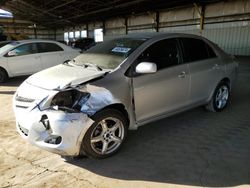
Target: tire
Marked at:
220, 98
106, 135
3, 75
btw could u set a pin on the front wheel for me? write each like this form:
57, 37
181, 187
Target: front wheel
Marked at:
220, 98
106, 135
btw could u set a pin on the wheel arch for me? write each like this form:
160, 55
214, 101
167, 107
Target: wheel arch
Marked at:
4, 69
120, 107
226, 80
5, 75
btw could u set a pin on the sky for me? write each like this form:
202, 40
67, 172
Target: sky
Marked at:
4, 13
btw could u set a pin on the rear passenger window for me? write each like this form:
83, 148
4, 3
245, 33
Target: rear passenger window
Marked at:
48, 47
163, 53
196, 49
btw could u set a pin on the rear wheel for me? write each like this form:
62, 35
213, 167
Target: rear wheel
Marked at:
3, 75
106, 135
220, 98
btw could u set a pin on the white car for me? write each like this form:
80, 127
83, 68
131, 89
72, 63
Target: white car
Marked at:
26, 57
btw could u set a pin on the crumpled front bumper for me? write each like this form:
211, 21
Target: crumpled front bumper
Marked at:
59, 133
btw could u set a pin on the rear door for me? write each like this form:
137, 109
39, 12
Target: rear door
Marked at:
51, 54
205, 68
26, 61
166, 90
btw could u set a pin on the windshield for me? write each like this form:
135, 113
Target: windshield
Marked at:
109, 54
8, 47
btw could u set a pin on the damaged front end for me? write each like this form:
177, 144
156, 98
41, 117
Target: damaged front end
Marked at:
70, 100
59, 121
87, 99
55, 131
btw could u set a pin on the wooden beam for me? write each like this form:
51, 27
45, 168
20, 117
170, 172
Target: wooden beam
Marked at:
157, 21
201, 14
202, 18
103, 27
126, 25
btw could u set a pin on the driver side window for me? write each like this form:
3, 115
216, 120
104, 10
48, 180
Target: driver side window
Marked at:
163, 53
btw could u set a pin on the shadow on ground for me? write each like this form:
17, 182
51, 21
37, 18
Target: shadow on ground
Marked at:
16, 81
7, 92
192, 148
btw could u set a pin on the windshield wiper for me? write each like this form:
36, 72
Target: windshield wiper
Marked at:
92, 65
66, 63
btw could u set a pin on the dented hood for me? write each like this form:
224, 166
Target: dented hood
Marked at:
61, 76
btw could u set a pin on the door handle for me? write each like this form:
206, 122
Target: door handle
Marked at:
182, 74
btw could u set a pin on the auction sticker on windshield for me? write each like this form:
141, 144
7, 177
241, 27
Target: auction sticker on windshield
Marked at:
121, 50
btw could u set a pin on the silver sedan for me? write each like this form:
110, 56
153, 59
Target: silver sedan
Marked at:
86, 106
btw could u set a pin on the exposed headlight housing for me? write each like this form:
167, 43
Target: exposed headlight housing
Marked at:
70, 100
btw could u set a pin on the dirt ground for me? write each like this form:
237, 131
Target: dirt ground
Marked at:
194, 148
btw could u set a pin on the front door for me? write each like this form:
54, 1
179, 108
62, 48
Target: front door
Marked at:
26, 60
166, 90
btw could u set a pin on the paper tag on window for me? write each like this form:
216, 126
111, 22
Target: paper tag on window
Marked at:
121, 49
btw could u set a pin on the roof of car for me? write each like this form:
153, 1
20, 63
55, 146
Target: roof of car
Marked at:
34, 40
155, 35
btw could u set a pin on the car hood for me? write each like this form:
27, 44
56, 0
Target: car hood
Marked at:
64, 75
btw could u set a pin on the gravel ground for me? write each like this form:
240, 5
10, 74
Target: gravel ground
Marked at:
194, 148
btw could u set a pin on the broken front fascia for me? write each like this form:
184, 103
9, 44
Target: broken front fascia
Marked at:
60, 129
62, 133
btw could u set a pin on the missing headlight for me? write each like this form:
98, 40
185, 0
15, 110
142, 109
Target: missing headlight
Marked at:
64, 98
70, 100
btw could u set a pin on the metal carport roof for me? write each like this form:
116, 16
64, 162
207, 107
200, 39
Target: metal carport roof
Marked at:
61, 13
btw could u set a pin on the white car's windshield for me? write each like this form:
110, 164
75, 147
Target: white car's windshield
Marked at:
109, 54
7, 47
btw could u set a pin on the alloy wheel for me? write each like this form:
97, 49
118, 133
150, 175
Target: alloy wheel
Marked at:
107, 136
221, 97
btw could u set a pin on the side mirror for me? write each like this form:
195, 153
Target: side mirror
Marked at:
146, 67
12, 53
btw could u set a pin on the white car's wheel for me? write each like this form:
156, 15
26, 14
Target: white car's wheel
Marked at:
3, 75
106, 135
220, 98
